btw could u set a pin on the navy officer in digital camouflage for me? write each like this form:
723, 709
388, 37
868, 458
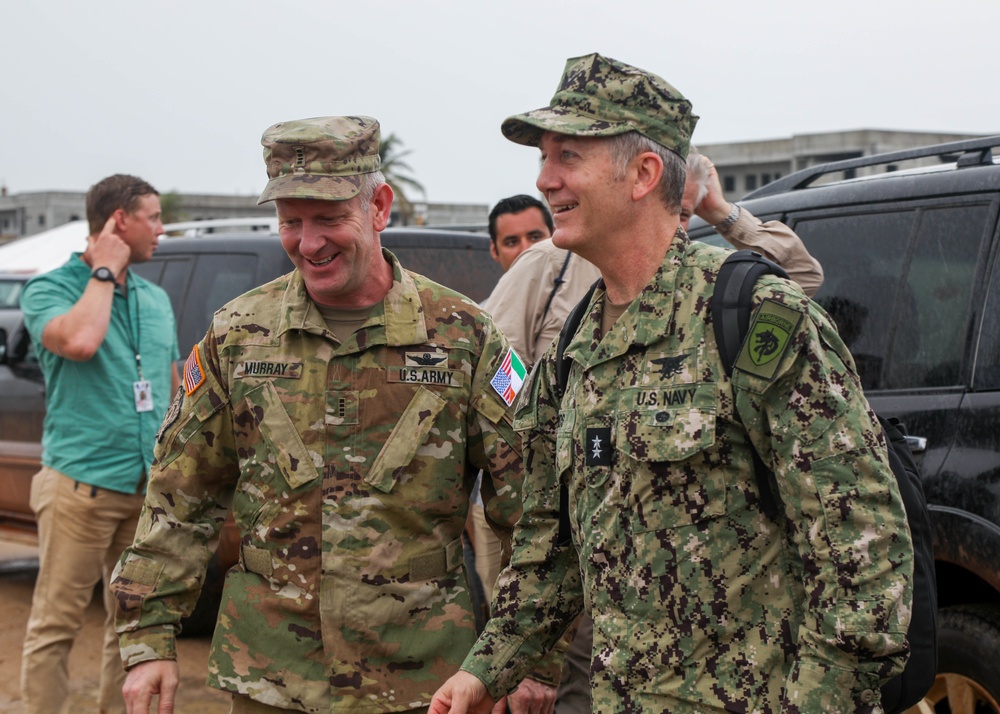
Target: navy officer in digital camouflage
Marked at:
701, 603
341, 413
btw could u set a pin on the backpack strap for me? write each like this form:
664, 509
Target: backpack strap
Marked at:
732, 301
563, 365
732, 304
566, 334
556, 282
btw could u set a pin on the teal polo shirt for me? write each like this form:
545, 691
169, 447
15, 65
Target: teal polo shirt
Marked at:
92, 432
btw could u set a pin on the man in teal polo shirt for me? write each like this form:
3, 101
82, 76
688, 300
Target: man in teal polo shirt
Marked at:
106, 340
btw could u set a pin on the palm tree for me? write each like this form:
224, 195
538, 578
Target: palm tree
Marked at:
170, 207
395, 171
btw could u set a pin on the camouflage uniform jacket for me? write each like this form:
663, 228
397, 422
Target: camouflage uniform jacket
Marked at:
347, 469
700, 602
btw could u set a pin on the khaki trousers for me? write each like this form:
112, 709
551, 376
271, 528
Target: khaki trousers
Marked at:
487, 551
82, 531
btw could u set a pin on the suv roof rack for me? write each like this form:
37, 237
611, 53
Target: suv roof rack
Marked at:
190, 229
971, 152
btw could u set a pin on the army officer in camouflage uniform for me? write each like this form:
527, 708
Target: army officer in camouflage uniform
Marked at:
341, 414
700, 602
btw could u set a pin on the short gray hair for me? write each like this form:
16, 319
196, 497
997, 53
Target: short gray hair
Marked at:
369, 185
625, 147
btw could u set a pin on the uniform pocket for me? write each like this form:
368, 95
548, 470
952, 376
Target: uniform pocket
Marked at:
290, 454
407, 436
564, 439
668, 424
670, 450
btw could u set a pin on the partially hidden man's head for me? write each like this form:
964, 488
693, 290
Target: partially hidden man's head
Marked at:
695, 185
602, 97
517, 223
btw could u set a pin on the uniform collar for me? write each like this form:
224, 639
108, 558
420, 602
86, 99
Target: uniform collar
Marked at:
643, 322
402, 321
647, 317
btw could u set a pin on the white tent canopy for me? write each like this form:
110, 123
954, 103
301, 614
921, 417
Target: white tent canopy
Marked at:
44, 251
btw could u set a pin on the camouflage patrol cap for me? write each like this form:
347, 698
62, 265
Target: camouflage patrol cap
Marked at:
600, 96
323, 158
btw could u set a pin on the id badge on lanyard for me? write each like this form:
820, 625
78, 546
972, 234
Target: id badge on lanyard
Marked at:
142, 389
143, 395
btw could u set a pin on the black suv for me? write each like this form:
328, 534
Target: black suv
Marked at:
912, 264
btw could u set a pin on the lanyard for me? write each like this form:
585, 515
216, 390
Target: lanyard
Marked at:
133, 343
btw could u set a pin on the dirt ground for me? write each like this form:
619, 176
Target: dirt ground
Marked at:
17, 577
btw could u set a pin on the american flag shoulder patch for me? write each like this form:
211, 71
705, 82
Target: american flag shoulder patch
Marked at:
194, 375
509, 378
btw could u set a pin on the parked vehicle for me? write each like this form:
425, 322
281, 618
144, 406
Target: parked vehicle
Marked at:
210, 264
912, 264
11, 285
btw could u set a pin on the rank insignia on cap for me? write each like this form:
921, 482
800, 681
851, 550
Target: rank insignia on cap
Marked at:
194, 375
509, 378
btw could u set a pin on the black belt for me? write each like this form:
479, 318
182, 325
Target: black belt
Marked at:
93, 489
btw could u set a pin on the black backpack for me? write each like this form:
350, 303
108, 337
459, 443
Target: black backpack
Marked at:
731, 311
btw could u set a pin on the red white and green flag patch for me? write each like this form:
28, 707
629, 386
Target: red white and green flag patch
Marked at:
509, 378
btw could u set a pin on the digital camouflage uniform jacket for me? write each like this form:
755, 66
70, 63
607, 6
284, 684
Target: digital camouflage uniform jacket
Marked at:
348, 470
700, 602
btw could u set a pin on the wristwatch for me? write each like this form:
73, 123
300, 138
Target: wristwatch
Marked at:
730, 220
103, 274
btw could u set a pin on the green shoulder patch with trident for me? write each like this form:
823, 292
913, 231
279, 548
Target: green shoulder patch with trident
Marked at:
768, 339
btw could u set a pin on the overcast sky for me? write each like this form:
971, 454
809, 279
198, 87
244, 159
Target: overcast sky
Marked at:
180, 92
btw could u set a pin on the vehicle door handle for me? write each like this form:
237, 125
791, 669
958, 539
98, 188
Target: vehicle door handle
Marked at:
917, 444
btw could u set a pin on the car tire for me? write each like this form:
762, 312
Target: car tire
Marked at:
968, 651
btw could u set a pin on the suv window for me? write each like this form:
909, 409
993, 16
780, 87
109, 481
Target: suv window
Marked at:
10, 293
199, 285
988, 355
461, 268
899, 286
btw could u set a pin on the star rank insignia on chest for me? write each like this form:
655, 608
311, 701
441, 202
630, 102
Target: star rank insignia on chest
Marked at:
598, 446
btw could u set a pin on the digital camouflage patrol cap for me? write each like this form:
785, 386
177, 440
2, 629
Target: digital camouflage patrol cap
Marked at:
323, 158
600, 96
